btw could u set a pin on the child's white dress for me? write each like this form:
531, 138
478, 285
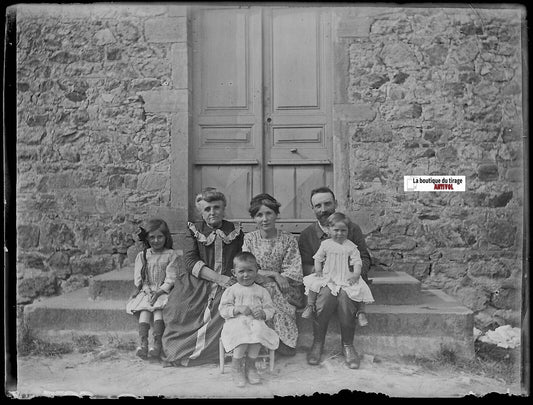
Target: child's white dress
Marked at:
161, 272
243, 329
337, 258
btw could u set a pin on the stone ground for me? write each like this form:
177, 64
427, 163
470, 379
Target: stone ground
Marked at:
112, 373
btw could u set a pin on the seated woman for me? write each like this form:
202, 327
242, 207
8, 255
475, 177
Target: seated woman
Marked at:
193, 323
280, 268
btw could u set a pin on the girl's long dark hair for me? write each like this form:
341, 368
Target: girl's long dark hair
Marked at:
154, 224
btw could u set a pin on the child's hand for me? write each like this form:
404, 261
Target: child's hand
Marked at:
147, 290
354, 279
258, 313
242, 309
155, 296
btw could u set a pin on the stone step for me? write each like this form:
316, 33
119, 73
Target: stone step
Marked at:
388, 287
114, 285
438, 322
394, 288
76, 311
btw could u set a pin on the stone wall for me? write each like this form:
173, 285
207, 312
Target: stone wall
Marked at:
102, 92
103, 116
437, 92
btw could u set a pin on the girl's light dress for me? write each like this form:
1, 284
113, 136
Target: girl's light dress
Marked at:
336, 258
161, 272
243, 329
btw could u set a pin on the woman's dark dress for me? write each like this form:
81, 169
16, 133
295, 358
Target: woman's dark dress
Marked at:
192, 322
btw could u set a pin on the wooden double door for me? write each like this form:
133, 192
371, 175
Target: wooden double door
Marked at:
262, 105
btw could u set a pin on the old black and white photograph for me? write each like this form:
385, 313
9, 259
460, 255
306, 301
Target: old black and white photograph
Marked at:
266, 200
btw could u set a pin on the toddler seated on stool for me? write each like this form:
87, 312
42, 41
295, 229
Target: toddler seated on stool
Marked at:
246, 306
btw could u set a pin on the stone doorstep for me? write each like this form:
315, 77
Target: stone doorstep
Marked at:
114, 285
406, 329
388, 287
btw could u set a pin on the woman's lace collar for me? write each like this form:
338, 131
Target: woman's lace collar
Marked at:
207, 240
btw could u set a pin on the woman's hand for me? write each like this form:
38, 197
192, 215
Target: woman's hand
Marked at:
225, 281
242, 309
282, 283
261, 279
155, 296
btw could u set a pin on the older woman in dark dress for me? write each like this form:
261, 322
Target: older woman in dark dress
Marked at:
192, 321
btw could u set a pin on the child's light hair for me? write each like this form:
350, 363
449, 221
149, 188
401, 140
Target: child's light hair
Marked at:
338, 217
246, 257
157, 224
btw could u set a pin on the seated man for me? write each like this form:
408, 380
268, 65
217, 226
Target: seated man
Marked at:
324, 204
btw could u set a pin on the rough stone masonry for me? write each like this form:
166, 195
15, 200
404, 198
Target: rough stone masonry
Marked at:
417, 91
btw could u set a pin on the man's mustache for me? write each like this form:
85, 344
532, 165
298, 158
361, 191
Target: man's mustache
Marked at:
325, 214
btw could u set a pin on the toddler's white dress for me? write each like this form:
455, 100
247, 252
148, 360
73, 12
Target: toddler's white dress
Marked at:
241, 328
337, 258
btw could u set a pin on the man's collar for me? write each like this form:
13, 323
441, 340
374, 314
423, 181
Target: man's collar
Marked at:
320, 231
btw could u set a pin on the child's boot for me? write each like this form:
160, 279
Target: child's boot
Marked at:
251, 371
309, 312
157, 331
238, 372
142, 350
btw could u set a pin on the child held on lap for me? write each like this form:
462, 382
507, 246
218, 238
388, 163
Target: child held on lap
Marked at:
246, 306
338, 265
154, 276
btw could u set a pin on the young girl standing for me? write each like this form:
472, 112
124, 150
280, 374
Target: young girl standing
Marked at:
338, 265
155, 272
246, 306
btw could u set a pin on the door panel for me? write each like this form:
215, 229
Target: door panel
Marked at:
226, 84
294, 183
295, 53
284, 183
299, 143
236, 182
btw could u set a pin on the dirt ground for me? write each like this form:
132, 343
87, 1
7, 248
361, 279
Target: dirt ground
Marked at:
114, 373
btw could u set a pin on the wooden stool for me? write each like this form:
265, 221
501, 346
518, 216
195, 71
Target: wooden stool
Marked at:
222, 354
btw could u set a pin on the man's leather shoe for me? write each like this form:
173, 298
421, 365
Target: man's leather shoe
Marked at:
351, 356
313, 357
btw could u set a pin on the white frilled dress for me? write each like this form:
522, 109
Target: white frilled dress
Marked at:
243, 329
337, 258
161, 272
